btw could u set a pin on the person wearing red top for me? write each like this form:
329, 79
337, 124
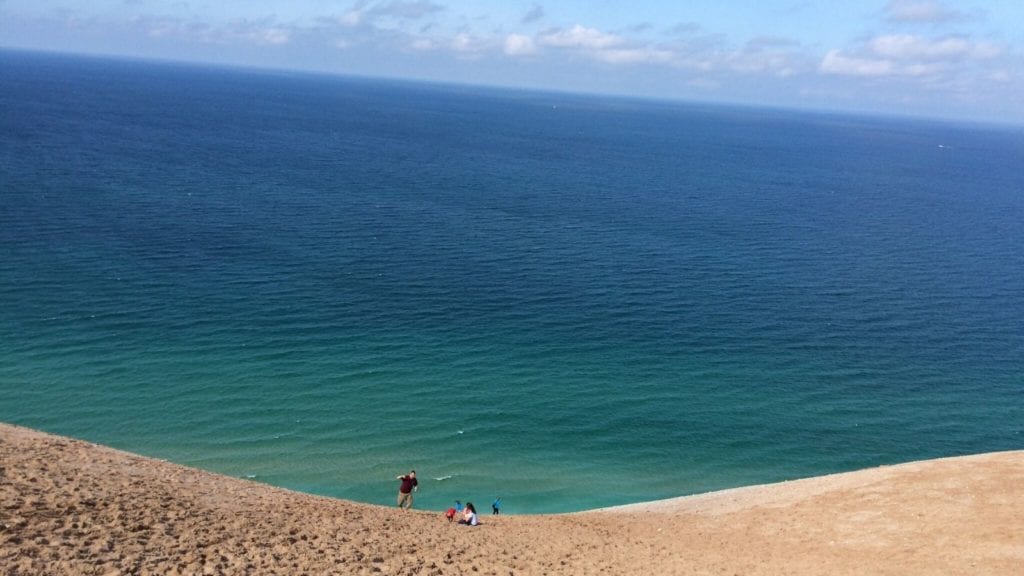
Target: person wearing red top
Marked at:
409, 485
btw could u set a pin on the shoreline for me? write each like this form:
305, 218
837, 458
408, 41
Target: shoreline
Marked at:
777, 494
72, 507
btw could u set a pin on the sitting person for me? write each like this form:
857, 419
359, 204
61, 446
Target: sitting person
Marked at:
469, 517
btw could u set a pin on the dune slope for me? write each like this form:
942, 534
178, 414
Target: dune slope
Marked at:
70, 507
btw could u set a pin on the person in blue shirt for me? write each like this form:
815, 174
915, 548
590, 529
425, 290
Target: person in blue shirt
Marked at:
496, 506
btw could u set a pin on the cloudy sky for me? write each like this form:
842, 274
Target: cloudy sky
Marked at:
942, 58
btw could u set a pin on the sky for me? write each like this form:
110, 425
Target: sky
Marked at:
953, 59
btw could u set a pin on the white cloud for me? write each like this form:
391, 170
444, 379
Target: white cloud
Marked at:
273, 35
352, 18
423, 44
634, 56
780, 57
603, 46
836, 62
910, 47
690, 49
368, 13
1001, 76
519, 45
931, 70
260, 33
580, 37
920, 11
467, 43
909, 55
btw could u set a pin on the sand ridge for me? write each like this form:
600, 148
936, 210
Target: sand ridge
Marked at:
71, 507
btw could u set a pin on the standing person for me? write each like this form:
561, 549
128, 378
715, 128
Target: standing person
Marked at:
496, 506
458, 507
409, 485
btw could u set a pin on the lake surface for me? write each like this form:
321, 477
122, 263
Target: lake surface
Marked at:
566, 301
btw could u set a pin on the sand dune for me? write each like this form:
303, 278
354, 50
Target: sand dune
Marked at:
70, 507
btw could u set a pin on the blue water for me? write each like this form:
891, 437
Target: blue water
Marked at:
566, 301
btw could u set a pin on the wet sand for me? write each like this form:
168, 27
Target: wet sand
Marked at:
75, 508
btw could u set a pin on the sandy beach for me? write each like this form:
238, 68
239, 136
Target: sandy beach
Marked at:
71, 507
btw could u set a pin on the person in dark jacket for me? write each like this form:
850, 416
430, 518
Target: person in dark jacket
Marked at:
409, 485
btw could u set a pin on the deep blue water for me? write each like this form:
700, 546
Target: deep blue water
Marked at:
566, 301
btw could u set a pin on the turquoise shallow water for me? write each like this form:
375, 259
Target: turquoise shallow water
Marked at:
566, 301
